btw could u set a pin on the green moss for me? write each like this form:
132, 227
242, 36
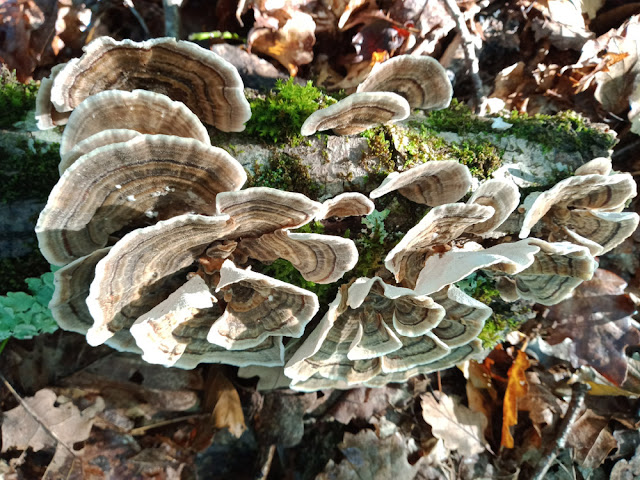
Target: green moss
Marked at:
28, 168
284, 172
482, 157
278, 117
505, 318
16, 99
379, 159
565, 131
372, 243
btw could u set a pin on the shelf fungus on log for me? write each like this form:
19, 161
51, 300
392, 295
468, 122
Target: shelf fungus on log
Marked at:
360, 337
585, 209
432, 183
140, 110
46, 115
503, 196
131, 184
558, 268
349, 204
207, 84
357, 112
107, 137
143, 269
191, 327
421, 80
432, 235
458, 263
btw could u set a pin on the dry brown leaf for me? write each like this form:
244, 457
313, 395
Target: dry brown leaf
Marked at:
288, 35
597, 319
362, 403
21, 431
227, 412
517, 388
591, 439
368, 457
458, 427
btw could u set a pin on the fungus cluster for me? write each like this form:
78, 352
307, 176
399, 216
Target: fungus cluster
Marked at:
156, 235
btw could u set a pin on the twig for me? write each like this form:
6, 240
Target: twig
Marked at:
468, 45
266, 459
172, 17
35, 416
142, 430
129, 4
578, 392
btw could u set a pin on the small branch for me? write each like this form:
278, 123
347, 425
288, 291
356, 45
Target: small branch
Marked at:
468, 45
164, 423
172, 17
129, 4
578, 393
35, 416
266, 459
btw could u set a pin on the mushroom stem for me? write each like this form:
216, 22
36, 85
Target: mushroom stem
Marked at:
468, 45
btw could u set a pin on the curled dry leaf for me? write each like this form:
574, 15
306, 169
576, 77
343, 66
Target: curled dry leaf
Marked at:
459, 428
517, 387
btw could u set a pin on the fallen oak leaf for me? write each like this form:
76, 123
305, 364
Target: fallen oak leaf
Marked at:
597, 319
456, 425
517, 387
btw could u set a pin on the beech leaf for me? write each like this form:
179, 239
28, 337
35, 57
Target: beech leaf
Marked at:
517, 387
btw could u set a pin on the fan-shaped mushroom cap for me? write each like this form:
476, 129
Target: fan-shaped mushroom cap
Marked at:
356, 113
440, 226
257, 307
319, 258
207, 84
454, 265
502, 195
68, 304
268, 210
142, 268
137, 181
348, 204
591, 192
557, 270
600, 166
140, 110
89, 144
46, 115
421, 80
432, 183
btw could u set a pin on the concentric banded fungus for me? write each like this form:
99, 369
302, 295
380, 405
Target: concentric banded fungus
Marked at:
46, 115
432, 183
122, 291
599, 166
421, 80
585, 210
257, 307
356, 113
438, 228
128, 184
208, 85
350, 204
68, 305
358, 338
558, 268
456, 264
502, 195
319, 258
89, 144
142, 111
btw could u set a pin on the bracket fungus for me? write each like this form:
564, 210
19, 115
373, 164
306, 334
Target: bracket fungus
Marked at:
123, 291
148, 178
140, 110
206, 83
357, 112
46, 115
360, 336
349, 204
584, 209
421, 80
432, 183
